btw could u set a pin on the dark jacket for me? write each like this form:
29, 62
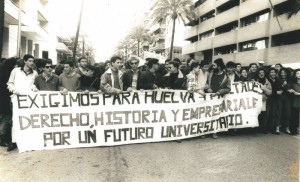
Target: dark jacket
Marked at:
180, 82
148, 79
127, 79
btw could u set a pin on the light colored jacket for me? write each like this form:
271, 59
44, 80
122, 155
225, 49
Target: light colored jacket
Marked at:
107, 82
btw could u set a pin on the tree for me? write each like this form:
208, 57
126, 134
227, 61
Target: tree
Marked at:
140, 35
166, 10
2, 5
126, 46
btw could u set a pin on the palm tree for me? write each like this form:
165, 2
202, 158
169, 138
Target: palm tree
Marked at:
2, 4
166, 10
126, 46
140, 35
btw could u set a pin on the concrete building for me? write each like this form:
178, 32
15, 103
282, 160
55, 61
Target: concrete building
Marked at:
244, 31
37, 35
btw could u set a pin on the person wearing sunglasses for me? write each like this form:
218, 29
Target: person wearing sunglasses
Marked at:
47, 80
132, 76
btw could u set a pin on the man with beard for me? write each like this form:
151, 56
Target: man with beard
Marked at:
218, 83
111, 81
86, 75
21, 80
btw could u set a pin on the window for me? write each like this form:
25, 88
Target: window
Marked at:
45, 54
286, 38
255, 18
227, 28
253, 45
230, 49
207, 16
206, 35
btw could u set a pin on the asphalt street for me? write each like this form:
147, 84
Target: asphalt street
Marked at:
249, 156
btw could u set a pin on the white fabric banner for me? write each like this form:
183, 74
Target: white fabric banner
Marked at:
50, 120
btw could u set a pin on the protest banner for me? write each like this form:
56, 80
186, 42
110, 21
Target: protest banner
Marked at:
49, 120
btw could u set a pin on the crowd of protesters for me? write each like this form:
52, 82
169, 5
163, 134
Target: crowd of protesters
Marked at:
280, 86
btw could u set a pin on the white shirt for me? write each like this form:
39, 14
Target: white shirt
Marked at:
20, 82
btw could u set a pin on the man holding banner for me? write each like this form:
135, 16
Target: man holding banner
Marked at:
111, 80
21, 79
218, 83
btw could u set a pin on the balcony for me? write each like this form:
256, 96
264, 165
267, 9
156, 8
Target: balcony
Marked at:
256, 6
156, 27
12, 13
204, 44
61, 47
227, 16
287, 24
225, 39
258, 30
160, 37
247, 57
284, 54
42, 13
158, 47
190, 32
275, 2
189, 48
226, 57
206, 7
206, 25
220, 2
36, 31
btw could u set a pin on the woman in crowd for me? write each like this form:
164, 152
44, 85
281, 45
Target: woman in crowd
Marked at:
244, 75
286, 99
267, 91
295, 90
252, 71
274, 101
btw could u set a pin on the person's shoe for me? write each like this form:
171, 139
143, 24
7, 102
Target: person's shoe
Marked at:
287, 130
277, 130
11, 147
214, 136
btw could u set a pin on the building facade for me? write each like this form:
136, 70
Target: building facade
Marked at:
37, 35
244, 31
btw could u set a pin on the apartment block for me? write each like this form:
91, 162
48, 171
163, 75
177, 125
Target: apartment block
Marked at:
36, 35
244, 31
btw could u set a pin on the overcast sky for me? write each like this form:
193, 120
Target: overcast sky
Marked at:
106, 22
